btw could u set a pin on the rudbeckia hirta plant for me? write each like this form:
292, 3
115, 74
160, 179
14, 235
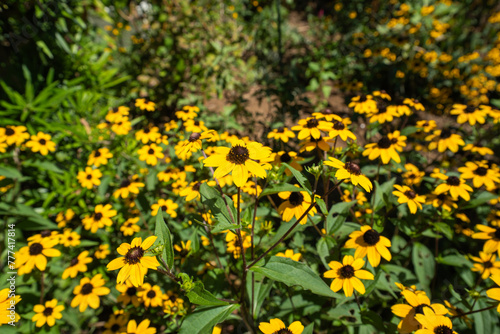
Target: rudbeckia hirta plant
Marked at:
88, 292
432, 323
454, 185
151, 154
76, 265
296, 203
311, 126
134, 263
406, 195
47, 314
350, 171
347, 275
89, 178
369, 242
275, 326
386, 148
35, 254
41, 143
101, 217
99, 157
494, 293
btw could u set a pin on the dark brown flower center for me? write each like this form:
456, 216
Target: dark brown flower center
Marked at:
285, 157
420, 308
296, 198
115, 328
163, 208
238, 155
48, 311
45, 233
453, 181
97, 154
394, 140
352, 168
339, 126
384, 142
134, 255
445, 134
410, 194
87, 289
441, 197
280, 129
487, 264
283, 331
194, 136
73, 262
151, 151
36, 248
469, 110
89, 176
197, 123
443, 330
347, 271
131, 291
125, 183
312, 123
9, 131
497, 233
151, 294
371, 237
70, 238
97, 216
481, 171
146, 131
42, 141
362, 98
196, 186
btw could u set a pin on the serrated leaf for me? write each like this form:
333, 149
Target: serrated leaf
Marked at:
204, 319
164, 237
292, 273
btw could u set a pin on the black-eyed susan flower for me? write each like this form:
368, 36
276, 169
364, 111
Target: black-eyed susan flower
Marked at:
41, 143
340, 129
369, 242
142, 328
7, 302
311, 127
184, 249
443, 140
386, 148
310, 144
121, 125
151, 295
76, 265
363, 104
241, 160
494, 293
116, 113
14, 134
87, 293
414, 103
102, 252
47, 314
289, 253
481, 174
454, 185
35, 254
145, 105
192, 125
432, 323
282, 133
89, 178
417, 303
99, 157
148, 134
128, 186
251, 188
384, 114
128, 294
426, 125
346, 275
234, 245
296, 203
360, 196
130, 227
412, 176
64, 217
491, 234
407, 195
166, 205
442, 200
486, 265
290, 158
477, 148
69, 238
46, 234
116, 324
468, 114
349, 171
276, 326
101, 217
151, 153
187, 112
134, 263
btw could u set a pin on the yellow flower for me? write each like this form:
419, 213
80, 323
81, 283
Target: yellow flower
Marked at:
78, 264
454, 185
233, 245
142, 328
432, 323
410, 197
347, 274
468, 114
296, 204
494, 293
143, 105
478, 149
412, 176
290, 254
187, 112
47, 314
311, 127
481, 174
134, 264
310, 144
281, 133
183, 250
13, 134
339, 128
444, 139
363, 104
290, 158
275, 326
386, 148
369, 242
486, 265
41, 143
151, 154
167, 206
116, 324
69, 238
89, 178
350, 171
116, 113
35, 255
127, 186
88, 292
99, 157
130, 227
194, 142
121, 125
242, 159
102, 252
7, 302
64, 217
101, 217
151, 295
442, 201
148, 134
491, 234
128, 294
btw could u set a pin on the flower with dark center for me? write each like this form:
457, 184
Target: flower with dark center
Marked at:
497, 233
453, 181
352, 168
394, 140
197, 186
35, 248
42, 141
283, 331
410, 194
488, 264
125, 183
89, 176
131, 291
151, 294
481, 171
164, 208
115, 328
147, 130
87, 289
443, 330
97, 154
9, 132
197, 123
371, 237
238, 155
420, 308
312, 123
73, 262
347, 271
97, 216
45, 233
296, 198
446, 133
384, 142
280, 129
469, 110
194, 136
362, 98
285, 157
339, 125
48, 311
134, 255
151, 151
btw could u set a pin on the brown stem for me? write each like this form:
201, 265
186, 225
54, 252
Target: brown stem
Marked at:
472, 312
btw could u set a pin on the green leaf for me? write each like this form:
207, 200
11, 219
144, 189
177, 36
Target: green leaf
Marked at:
204, 319
280, 188
424, 263
163, 234
213, 199
374, 319
198, 295
341, 209
445, 229
324, 247
43, 165
454, 260
309, 329
292, 273
299, 177
482, 198
10, 172
382, 193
